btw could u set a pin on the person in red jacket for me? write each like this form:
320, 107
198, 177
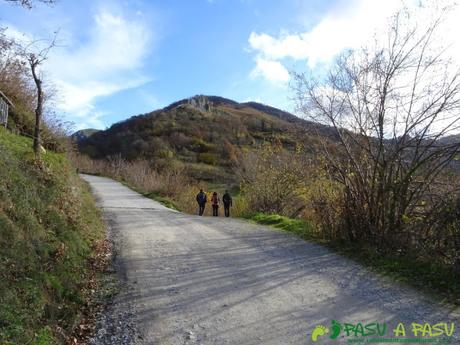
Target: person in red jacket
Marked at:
215, 201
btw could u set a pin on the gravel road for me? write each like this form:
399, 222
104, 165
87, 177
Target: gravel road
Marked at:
204, 280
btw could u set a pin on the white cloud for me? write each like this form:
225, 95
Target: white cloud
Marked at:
278, 48
349, 25
107, 62
271, 70
346, 27
17, 35
91, 121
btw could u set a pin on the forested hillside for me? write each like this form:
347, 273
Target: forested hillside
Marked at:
205, 134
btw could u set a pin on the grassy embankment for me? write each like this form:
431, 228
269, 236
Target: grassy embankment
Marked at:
50, 231
432, 279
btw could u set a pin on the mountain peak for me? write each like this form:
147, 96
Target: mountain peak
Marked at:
202, 102
83, 134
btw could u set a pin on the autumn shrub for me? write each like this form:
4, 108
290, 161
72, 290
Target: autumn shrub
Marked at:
435, 233
207, 158
324, 206
274, 181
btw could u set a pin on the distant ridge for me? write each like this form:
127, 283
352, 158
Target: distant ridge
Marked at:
205, 134
83, 134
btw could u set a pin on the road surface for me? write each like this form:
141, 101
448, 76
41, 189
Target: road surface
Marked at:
204, 280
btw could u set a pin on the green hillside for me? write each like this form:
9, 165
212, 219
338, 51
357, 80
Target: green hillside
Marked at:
49, 227
206, 134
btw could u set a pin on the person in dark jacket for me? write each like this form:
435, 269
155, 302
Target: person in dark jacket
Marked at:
227, 200
201, 199
215, 201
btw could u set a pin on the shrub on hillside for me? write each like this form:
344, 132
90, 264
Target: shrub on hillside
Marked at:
274, 181
207, 158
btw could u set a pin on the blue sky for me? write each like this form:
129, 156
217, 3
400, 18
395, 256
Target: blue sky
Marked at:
119, 58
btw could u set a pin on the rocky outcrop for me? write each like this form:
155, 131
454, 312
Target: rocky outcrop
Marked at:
201, 102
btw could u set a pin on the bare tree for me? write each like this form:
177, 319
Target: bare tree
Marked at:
30, 3
35, 54
390, 104
34, 62
33, 57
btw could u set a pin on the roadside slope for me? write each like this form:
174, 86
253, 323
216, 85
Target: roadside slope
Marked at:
203, 280
49, 226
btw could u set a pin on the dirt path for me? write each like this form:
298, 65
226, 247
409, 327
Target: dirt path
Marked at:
203, 280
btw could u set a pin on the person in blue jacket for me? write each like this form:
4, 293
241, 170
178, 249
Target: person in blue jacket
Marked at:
201, 199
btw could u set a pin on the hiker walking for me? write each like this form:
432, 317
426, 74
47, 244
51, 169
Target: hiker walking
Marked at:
215, 201
201, 199
227, 200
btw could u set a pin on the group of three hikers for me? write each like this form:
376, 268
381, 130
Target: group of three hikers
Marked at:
202, 199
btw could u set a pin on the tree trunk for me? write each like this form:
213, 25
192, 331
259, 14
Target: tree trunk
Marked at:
38, 109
